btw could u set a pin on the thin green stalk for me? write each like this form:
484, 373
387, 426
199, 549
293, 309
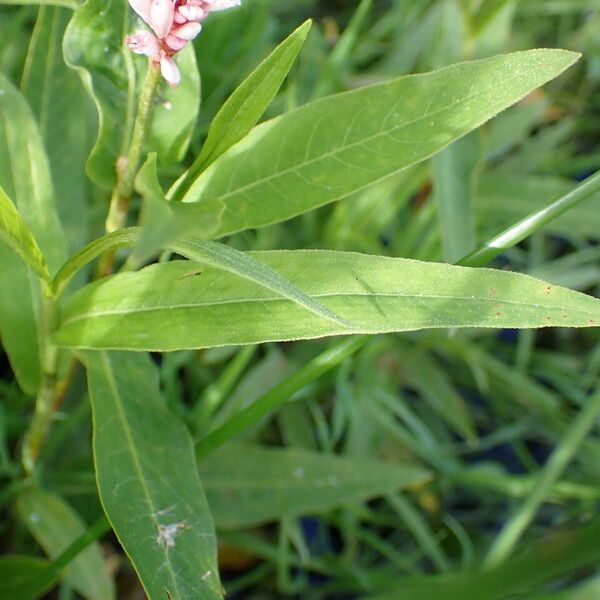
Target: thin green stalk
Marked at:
128, 166
44, 405
214, 395
277, 396
550, 474
524, 228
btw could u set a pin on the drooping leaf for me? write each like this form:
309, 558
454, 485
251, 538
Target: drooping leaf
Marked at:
247, 104
330, 148
25, 177
55, 525
94, 45
16, 234
67, 133
19, 576
183, 305
148, 481
248, 485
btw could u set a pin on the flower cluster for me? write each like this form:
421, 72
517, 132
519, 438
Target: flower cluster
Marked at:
175, 23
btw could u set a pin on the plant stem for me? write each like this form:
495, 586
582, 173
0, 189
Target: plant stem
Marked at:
44, 405
127, 166
550, 474
524, 228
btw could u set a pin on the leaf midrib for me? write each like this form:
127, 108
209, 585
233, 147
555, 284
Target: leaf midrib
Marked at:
362, 141
137, 467
170, 307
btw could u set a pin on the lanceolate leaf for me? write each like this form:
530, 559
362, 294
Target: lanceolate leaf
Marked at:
185, 305
46, 82
55, 525
15, 233
333, 147
269, 484
25, 176
148, 481
247, 104
94, 44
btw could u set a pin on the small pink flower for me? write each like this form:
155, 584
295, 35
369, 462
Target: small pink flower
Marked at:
143, 42
175, 22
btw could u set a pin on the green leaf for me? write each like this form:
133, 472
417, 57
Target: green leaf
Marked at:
46, 82
148, 481
94, 46
25, 177
333, 147
19, 576
16, 234
248, 485
242, 264
247, 104
181, 305
55, 525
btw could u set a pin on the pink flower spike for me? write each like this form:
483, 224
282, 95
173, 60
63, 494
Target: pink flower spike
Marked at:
174, 43
142, 8
169, 70
162, 14
143, 42
188, 31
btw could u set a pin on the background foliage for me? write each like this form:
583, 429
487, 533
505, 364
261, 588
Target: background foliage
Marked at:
419, 465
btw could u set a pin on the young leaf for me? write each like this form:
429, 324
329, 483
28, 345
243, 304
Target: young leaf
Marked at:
25, 176
16, 234
94, 46
55, 525
333, 147
242, 264
179, 305
246, 105
269, 484
148, 481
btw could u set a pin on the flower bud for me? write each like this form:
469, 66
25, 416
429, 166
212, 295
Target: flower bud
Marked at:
169, 70
162, 14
